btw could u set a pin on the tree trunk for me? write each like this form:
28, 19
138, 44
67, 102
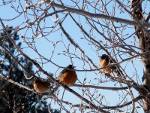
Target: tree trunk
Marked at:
144, 39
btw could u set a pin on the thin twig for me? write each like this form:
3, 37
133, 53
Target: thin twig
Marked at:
101, 87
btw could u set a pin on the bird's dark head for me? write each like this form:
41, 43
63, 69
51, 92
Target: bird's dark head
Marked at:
104, 56
70, 66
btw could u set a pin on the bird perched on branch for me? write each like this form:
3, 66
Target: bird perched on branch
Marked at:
108, 67
68, 76
104, 63
41, 86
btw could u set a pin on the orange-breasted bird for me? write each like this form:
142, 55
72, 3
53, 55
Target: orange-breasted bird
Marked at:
68, 76
41, 86
104, 64
107, 66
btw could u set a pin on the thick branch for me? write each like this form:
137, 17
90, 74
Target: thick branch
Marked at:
94, 15
17, 84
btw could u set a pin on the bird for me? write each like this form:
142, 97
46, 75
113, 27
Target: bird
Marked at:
107, 66
104, 64
68, 76
41, 86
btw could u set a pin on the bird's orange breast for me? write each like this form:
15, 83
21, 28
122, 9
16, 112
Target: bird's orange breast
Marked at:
68, 78
104, 65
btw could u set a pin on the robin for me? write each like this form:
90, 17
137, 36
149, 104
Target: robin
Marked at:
104, 64
68, 76
41, 86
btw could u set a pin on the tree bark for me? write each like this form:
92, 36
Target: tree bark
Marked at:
144, 39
